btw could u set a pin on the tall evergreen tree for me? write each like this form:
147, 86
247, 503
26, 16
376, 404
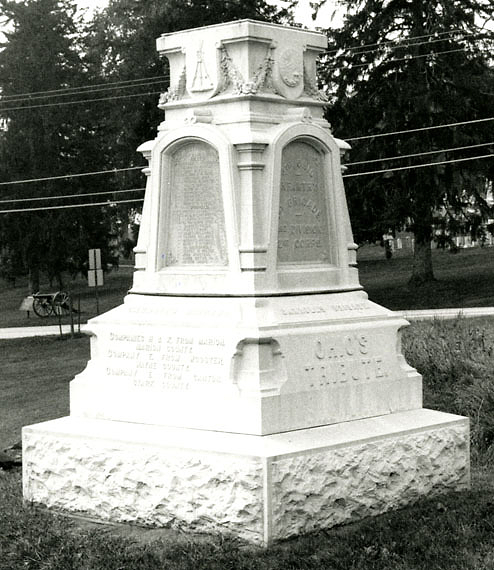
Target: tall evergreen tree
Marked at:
122, 47
399, 65
41, 54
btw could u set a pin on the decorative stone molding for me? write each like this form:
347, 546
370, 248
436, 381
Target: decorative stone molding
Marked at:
176, 92
352, 254
198, 116
258, 367
140, 250
254, 220
263, 78
310, 86
230, 76
298, 114
290, 72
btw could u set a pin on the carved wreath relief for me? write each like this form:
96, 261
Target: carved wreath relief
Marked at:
232, 79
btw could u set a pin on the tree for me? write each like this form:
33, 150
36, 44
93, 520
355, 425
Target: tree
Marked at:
399, 65
41, 53
46, 51
121, 46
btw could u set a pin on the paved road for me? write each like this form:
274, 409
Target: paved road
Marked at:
446, 313
23, 332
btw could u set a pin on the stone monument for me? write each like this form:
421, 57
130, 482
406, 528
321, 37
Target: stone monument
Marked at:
247, 384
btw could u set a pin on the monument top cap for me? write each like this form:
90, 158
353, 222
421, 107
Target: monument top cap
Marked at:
246, 27
241, 58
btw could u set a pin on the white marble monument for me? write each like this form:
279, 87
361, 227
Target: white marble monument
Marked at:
247, 384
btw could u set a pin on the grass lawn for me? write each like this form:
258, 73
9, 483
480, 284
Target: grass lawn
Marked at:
35, 381
465, 279
451, 531
455, 530
117, 283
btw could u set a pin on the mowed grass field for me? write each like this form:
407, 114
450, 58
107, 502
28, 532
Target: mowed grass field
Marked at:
454, 530
116, 284
465, 279
449, 531
34, 381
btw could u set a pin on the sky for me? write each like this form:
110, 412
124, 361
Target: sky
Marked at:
302, 12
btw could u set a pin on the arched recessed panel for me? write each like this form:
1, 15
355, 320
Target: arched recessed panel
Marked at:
303, 235
196, 220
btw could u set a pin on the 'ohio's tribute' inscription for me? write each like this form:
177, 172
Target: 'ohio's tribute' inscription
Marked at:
303, 222
196, 234
346, 359
168, 362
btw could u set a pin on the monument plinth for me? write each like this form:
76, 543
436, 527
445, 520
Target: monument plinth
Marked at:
246, 384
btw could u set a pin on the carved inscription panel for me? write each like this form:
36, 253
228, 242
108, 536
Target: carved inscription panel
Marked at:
303, 235
178, 361
348, 359
196, 221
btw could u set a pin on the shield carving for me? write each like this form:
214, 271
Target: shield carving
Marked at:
289, 72
202, 68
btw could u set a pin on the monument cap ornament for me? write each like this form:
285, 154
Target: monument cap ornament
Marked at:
241, 58
246, 385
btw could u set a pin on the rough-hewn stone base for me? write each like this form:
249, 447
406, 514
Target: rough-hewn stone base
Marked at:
260, 488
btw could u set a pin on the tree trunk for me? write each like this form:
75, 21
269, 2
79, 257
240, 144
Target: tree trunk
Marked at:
422, 271
33, 283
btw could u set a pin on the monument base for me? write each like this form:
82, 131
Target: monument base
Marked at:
259, 488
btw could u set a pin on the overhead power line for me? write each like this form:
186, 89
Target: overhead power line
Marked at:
349, 67
113, 170
418, 166
108, 203
407, 43
151, 79
418, 154
388, 134
426, 43
60, 103
112, 202
82, 87
80, 92
398, 41
66, 196
64, 176
131, 82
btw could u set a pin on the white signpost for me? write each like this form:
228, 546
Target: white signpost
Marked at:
95, 273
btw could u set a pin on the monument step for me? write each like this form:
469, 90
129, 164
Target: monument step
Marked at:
254, 487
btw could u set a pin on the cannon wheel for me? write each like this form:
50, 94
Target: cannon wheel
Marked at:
61, 303
42, 306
